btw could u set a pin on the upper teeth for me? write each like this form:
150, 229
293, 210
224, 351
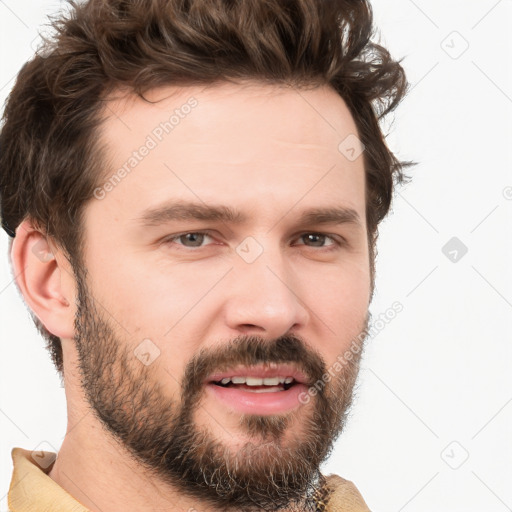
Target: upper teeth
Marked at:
255, 381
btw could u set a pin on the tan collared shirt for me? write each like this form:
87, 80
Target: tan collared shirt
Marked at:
32, 490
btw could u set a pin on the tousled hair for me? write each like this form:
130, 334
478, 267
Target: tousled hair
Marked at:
51, 157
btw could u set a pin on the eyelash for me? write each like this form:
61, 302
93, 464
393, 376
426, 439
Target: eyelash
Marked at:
337, 241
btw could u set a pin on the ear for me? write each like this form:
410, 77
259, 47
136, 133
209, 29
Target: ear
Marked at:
45, 279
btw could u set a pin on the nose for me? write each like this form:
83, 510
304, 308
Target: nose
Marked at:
265, 298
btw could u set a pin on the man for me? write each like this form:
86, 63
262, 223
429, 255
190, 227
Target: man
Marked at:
193, 191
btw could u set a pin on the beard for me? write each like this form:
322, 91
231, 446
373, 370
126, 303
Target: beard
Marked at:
276, 468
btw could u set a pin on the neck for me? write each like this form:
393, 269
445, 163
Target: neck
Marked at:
98, 474
98, 471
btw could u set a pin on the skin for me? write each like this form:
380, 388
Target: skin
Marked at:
268, 152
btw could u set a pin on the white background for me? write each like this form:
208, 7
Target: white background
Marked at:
431, 428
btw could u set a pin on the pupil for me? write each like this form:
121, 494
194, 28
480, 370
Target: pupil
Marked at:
195, 238
316, 240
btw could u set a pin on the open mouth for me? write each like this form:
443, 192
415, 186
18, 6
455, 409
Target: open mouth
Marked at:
257, 384
264, 389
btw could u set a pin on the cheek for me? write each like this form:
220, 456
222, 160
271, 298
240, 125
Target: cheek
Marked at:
339, 307
158, 310
143, 295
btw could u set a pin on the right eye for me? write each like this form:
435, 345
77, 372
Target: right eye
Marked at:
190, 239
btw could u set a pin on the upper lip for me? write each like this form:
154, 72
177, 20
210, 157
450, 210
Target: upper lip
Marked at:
260, 371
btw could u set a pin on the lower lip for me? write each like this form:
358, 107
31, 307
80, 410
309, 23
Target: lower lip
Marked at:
247, 402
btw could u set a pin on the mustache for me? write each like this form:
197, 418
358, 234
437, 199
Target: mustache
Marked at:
251, 351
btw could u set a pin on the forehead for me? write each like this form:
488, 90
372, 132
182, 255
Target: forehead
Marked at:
241, 110
244, 143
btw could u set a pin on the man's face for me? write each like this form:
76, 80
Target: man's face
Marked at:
212, 300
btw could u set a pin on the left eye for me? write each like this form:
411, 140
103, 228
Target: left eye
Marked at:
316, 239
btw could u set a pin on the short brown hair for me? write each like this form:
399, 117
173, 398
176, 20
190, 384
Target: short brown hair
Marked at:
50, 154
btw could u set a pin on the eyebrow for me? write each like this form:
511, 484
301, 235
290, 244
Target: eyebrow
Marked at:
186, 211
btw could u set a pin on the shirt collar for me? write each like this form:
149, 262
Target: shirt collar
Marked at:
33, 490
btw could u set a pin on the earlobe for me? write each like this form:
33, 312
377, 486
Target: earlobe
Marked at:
38, 271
